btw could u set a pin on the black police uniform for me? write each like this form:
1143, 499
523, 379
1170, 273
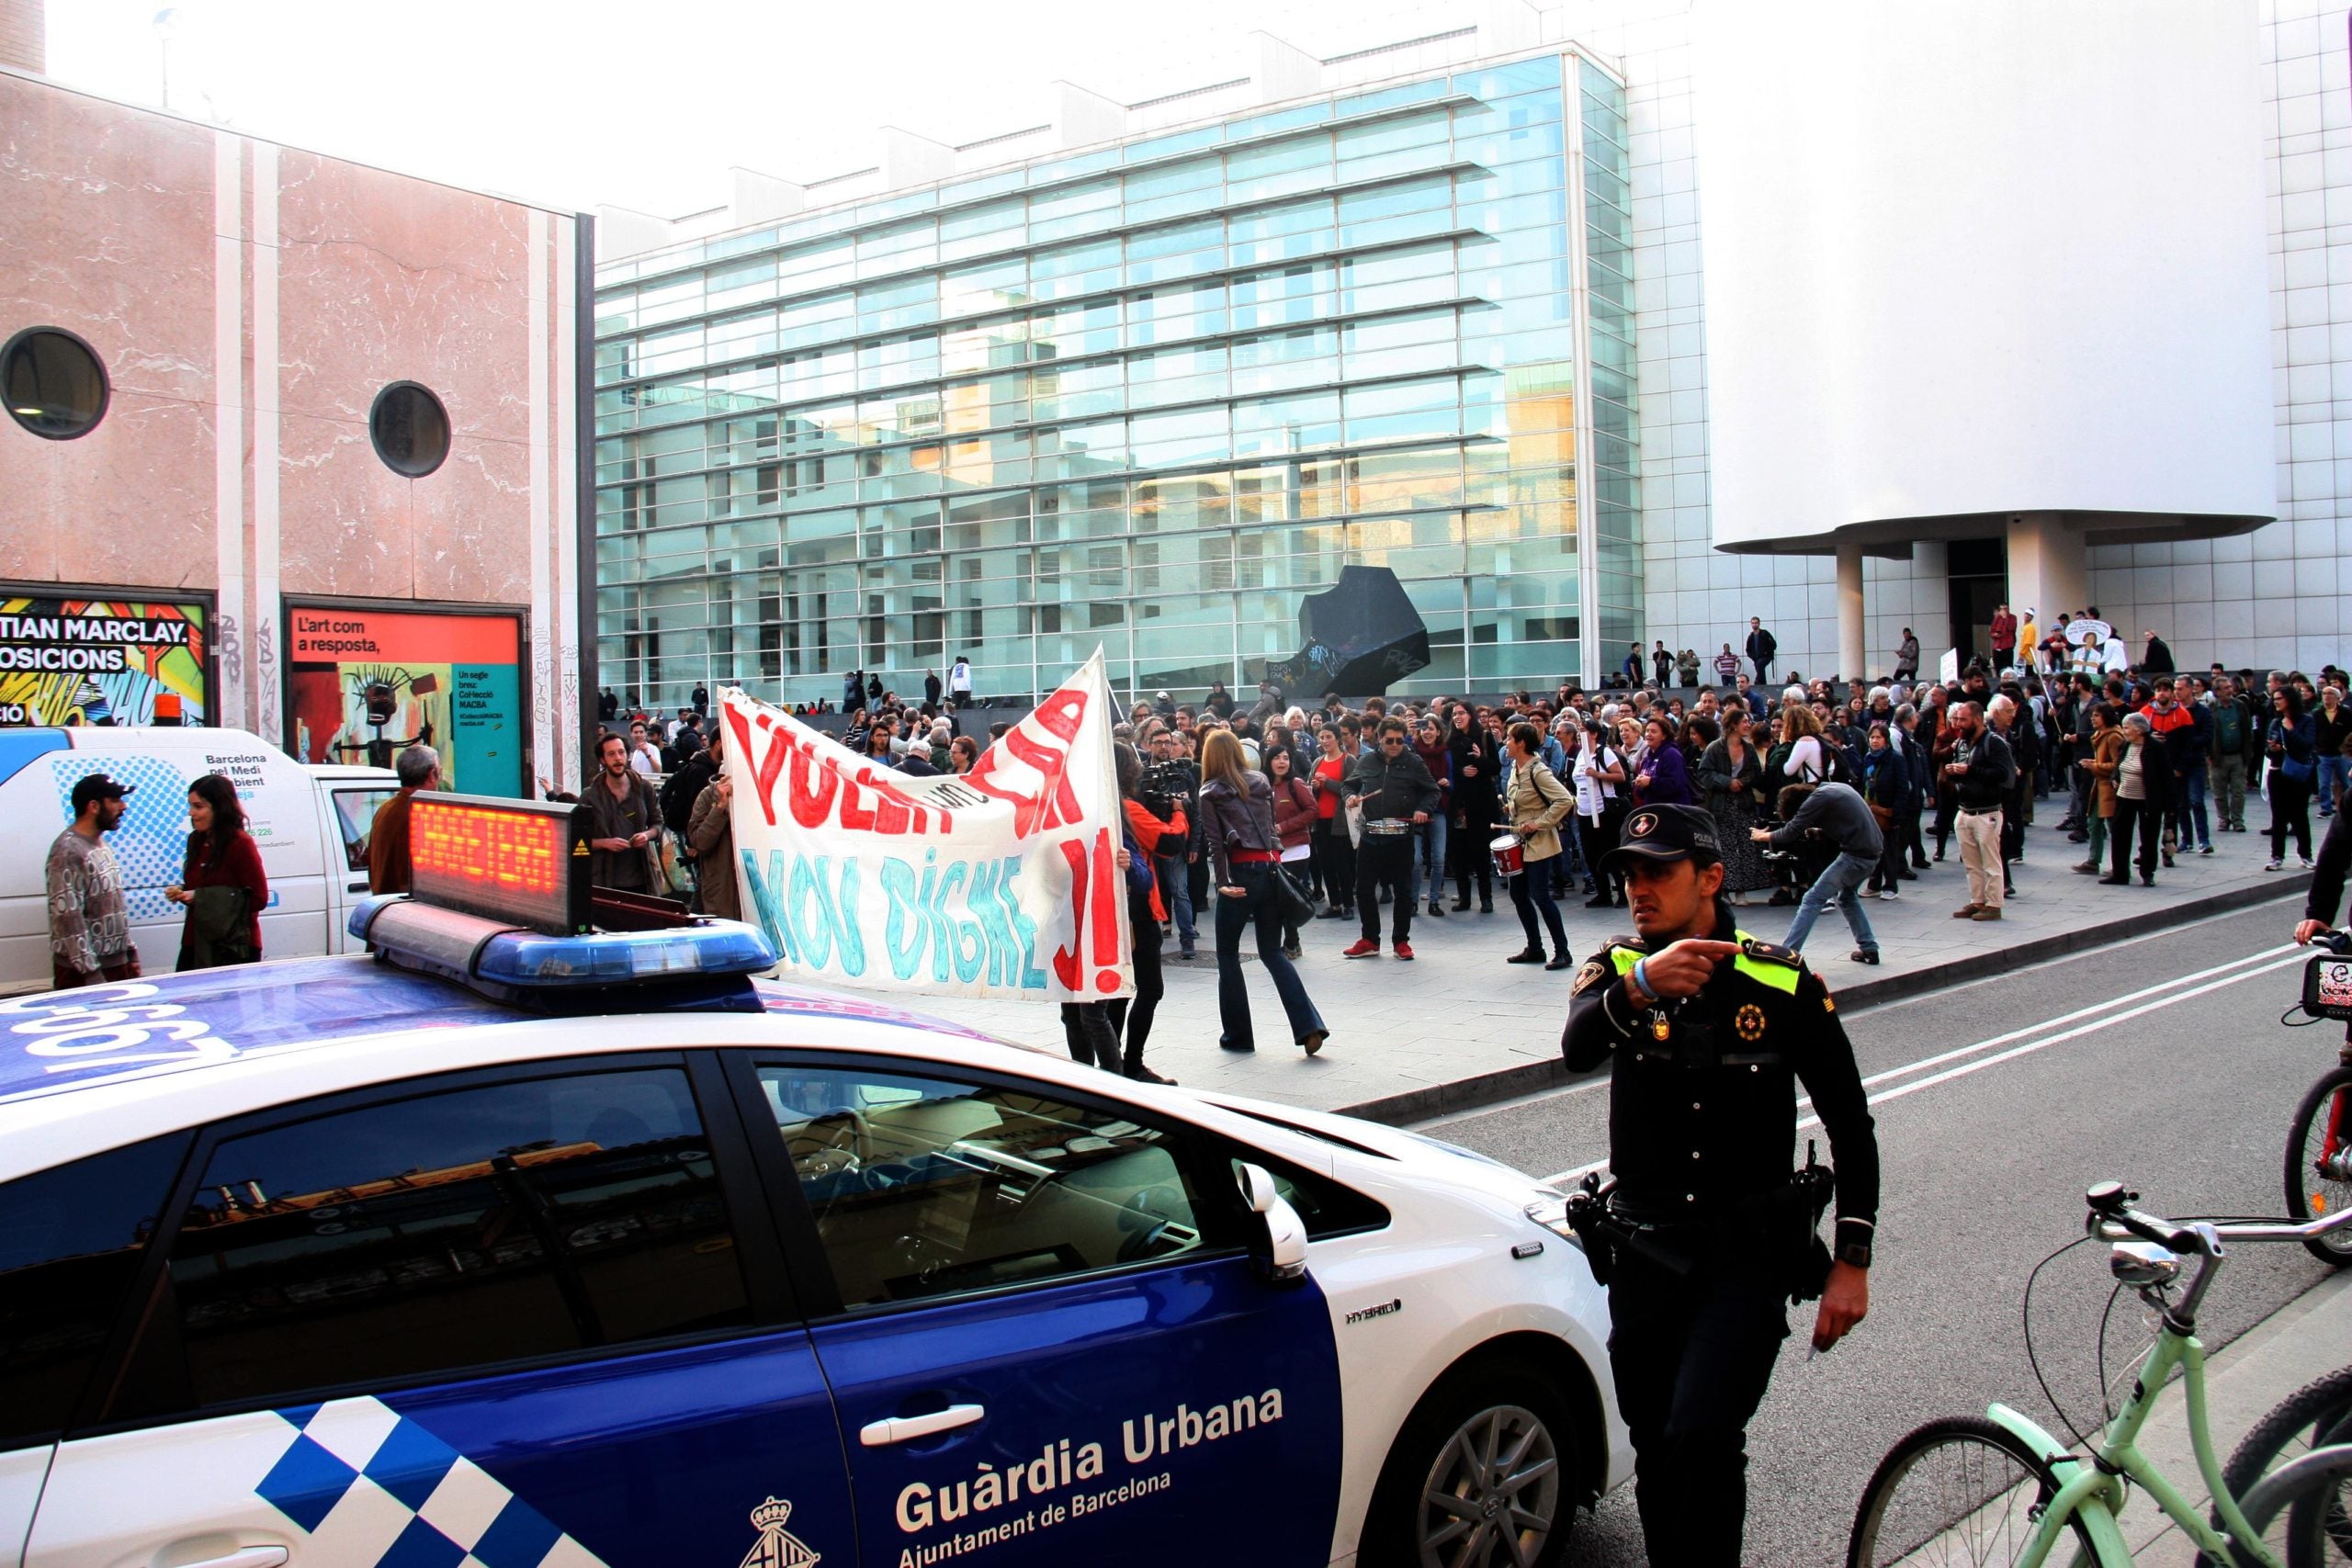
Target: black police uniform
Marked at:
1702, 1127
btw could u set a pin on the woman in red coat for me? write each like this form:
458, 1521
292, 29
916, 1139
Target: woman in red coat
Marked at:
223, 926
1294, 821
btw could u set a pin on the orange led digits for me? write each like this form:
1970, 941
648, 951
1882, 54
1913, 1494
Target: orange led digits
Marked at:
502, 860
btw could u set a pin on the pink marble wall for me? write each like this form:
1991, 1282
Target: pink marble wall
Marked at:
384, 279
106, 229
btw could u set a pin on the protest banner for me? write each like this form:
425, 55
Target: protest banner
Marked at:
1001, 882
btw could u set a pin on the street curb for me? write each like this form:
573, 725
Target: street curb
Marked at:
1482, 1089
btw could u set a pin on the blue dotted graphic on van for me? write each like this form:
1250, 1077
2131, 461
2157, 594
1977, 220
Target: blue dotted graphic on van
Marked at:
373, 1489
153, 835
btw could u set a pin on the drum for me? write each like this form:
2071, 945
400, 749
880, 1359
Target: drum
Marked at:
1509, 854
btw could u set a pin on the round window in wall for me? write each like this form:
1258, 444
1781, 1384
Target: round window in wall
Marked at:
54, 384
410, 428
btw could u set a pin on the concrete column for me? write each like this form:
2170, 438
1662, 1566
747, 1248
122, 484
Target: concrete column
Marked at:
1930, 600
1852, 657
2048, 570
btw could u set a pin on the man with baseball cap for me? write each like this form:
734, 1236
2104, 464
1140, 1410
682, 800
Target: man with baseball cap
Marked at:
89, 922
1705, 1239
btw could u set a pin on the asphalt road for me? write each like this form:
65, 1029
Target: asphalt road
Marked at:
2129, 1062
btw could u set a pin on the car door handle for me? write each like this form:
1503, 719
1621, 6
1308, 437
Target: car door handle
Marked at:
249, 1557
890, 1429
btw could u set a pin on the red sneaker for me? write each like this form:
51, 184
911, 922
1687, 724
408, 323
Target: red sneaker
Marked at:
1405, 951
1363, 947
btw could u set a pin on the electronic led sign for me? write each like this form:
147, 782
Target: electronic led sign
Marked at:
518, 861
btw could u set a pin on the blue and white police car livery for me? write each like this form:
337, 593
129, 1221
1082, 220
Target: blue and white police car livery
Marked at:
511, 1248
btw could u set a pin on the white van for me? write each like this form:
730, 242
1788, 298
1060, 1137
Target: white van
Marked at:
312, 824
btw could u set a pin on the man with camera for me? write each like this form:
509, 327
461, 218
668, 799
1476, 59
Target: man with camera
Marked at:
1705, 1239
1838, 815
1393, 787
1172, 782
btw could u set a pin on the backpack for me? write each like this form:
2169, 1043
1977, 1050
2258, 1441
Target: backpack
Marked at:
681, 789
1838, 764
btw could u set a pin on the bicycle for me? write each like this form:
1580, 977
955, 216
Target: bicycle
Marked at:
2319, 1137
1998, 1489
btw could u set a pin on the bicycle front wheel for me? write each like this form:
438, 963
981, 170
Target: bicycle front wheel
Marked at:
2299, 1510
2313, 1415
1959, 1491
2319, 1527
2319, 1162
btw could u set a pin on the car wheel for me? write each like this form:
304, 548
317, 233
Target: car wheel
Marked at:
1484, 1475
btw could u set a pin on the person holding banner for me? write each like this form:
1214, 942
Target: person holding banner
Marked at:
1148, 836
710, 835
1236, 829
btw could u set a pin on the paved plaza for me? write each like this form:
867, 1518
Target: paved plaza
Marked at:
1458, 1026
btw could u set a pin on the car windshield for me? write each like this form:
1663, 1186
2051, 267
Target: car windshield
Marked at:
355, 814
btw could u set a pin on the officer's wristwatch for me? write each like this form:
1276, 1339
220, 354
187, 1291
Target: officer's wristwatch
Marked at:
1855, 1253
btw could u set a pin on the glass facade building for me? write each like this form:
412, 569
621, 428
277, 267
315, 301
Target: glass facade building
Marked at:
1143, 397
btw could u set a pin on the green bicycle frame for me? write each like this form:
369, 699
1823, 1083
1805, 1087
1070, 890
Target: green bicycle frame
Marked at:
2093, 1490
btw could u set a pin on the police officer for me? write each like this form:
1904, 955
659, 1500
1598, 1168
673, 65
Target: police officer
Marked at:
1714, 1031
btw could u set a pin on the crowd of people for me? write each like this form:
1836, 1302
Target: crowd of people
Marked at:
1397, 812
1824, 794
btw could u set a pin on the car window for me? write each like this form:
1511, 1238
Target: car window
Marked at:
355, 814
523, 1218
1322, 1205
70, 1241
924, 1188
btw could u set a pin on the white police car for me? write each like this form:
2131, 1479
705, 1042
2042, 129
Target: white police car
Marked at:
608, 1253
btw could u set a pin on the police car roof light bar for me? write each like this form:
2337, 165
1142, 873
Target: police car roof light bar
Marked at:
704, 963
618, 910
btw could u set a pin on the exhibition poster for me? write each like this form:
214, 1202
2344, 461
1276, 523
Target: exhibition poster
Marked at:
365, 685
102, 661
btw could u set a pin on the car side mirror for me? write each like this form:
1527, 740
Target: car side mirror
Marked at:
1277, 1235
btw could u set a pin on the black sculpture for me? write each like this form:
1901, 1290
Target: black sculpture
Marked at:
1362, 633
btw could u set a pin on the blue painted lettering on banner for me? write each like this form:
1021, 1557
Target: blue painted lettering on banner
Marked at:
808, 907
808, 911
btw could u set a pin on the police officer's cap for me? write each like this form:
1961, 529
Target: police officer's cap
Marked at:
1666, 833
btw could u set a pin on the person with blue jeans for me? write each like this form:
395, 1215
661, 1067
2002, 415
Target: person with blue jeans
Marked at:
2335, 721
1841, 815
1175, 873
2187, 747
1428, 879
1236, 831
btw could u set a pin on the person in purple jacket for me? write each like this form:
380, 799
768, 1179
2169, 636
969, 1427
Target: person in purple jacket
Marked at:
1664, 779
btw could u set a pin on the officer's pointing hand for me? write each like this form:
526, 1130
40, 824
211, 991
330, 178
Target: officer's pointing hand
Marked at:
1683, 967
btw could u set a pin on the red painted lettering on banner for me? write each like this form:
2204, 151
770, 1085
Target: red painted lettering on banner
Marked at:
1069, 968
817, 788
1094, 914
1054, 802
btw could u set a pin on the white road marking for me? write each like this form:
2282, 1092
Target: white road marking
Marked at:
2127, 998
2100, 1015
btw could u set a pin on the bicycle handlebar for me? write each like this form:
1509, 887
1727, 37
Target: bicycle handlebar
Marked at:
2113, 1217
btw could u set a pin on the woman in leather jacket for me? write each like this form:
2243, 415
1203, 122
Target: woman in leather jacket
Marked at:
1477, 773
1235, 834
